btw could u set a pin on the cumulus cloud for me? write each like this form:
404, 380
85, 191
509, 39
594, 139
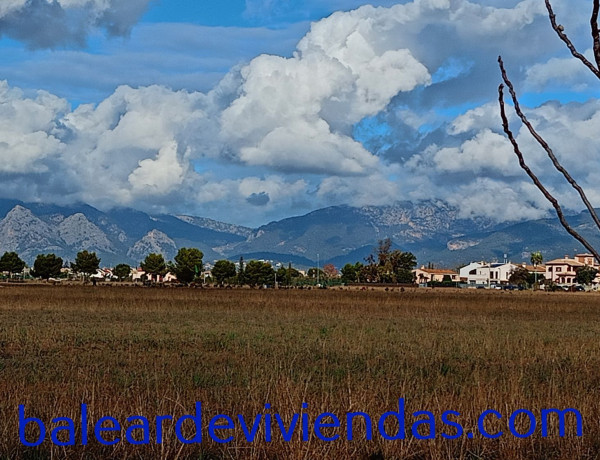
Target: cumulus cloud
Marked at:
52, 23
482, 177
375, 189
498, 200
358, 115
486, 151
351, 65
28, 130
160, 175
138, 143
298, 112
560, 71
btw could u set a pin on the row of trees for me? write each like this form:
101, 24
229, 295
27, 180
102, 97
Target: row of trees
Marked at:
187, 265
49, 265
257, 273
386, 266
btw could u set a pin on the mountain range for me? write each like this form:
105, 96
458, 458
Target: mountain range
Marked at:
432, 230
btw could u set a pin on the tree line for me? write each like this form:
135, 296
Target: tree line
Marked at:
386, 266
48, 266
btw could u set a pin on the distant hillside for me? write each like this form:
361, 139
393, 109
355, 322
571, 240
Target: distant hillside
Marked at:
120, 235
432, 230
340, 230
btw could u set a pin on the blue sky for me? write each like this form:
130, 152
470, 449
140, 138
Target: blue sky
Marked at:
202, 12
253, 110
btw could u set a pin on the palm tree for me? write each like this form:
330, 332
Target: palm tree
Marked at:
536, 259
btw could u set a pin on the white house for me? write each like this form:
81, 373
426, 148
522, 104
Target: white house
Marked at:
474, 274
487, 274
500, 273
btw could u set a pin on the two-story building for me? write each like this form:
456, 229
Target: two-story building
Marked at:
473, 274
563, 271
487, 274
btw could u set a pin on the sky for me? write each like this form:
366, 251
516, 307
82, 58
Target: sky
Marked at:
249, 111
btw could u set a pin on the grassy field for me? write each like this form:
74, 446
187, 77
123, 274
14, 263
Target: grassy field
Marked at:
143, 351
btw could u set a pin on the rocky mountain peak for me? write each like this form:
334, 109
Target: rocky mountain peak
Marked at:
156, 242
77, 230
21, 231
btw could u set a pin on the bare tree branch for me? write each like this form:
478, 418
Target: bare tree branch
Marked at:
536, 181
546, 147
595, 69
595, 32
560, 32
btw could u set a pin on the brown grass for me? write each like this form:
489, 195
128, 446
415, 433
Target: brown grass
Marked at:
136, 351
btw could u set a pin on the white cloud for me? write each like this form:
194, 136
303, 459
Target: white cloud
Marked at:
298, 113
137, 143
485, 151
309, 147
375, 189
481, 175
498, 200
159, 176
484, 116
278, 134
561, 72
28, 130
489, 22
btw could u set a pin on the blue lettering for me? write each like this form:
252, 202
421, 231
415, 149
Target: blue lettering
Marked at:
144, 426
350, 428
98, 429
159, 428
287, 434
23, 421
561, 421
319, 424
398, 416
304, 423
447, 421
250, 435
70, 429
197, 419
429, 421
212, 427
513, 429
481, 426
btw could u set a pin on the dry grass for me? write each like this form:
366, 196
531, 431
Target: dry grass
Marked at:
135, 351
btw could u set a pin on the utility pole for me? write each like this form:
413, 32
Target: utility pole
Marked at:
317, 269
